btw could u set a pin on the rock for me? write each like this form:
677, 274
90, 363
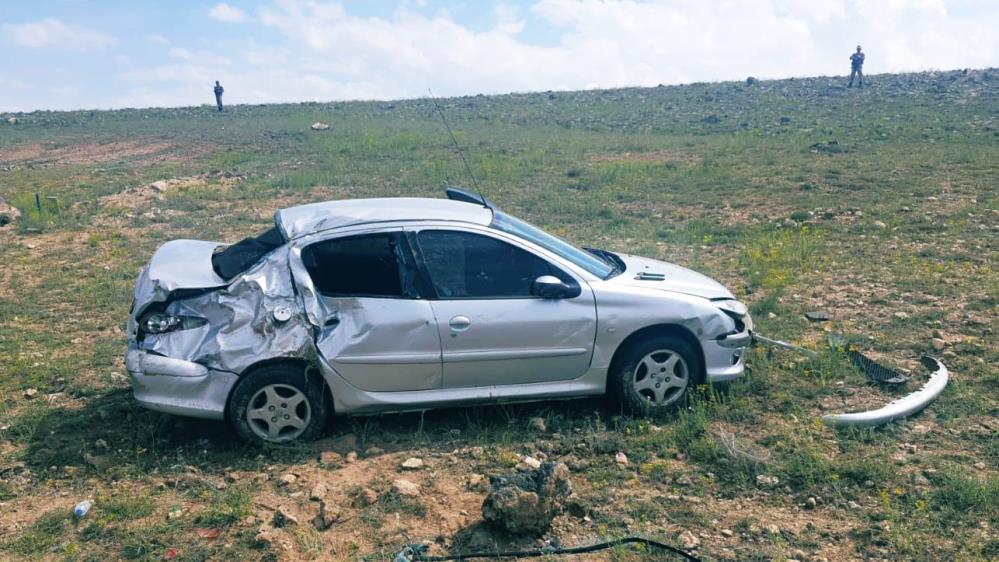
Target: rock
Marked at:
284, 518
273, 537
901, 315
621, 459
938, 344
351, 457
8, 212
318, 492
853, 505
328, 515
102, 444
980, 465
159, 186
412, 463
364, 497
30, 393
330, 458
99, 462
817, 316
406, 488
528, 463
727, 532
919, 480
537, 424
880, 224
764, 481
317, 126
478, 483
526, 503
373, 451
287, 479
689, 540
810, 503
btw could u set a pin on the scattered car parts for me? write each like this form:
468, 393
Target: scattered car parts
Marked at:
875, 372
901, 408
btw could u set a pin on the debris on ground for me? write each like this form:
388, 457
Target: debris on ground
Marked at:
318, 126
817, 316
526, 503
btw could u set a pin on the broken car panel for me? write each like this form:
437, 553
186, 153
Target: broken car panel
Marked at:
403, 304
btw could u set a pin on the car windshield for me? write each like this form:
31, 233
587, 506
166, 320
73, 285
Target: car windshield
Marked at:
581, 258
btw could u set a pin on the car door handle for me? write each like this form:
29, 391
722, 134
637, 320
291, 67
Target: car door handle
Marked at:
460, 323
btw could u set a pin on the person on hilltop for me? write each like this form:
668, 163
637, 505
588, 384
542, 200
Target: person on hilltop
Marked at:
218, 94
857, 68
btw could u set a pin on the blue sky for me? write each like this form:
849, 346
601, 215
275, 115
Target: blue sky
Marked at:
69, 54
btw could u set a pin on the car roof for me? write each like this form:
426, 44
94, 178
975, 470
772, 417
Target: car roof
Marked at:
295, 222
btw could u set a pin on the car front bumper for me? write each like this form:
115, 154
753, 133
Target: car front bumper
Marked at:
176, 386
723, 357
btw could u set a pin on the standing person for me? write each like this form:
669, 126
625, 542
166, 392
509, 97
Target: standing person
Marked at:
857, 68
219, 89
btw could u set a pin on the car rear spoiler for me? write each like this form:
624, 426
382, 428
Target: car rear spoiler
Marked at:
458, 194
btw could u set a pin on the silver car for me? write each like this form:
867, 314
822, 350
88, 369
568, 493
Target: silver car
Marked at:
387, 305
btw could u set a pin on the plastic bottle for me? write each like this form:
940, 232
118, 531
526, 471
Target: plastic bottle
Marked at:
82, 508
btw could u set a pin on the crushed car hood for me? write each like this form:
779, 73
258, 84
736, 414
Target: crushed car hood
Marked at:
654, 274
178, 264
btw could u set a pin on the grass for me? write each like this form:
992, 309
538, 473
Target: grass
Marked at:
896, 216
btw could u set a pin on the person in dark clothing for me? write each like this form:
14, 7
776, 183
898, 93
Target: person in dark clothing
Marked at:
218, 94
857, 68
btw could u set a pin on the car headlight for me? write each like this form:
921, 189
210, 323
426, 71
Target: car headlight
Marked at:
161, 323
735, 310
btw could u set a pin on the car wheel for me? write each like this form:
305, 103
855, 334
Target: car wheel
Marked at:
278, 404
655, 374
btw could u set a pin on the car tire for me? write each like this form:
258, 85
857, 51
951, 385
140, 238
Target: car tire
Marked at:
654, 375
278, 404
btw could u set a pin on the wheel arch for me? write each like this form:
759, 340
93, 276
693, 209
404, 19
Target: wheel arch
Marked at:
654, 330
295, 362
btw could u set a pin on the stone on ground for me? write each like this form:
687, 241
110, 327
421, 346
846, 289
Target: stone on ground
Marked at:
526, 503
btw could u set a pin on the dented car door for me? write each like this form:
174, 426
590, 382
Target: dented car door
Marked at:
372, 325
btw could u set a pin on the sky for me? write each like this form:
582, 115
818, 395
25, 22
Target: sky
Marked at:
102, 54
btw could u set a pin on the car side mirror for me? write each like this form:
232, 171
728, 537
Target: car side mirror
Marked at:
551, 287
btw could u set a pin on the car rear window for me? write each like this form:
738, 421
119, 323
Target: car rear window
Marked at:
365, 265
230, 261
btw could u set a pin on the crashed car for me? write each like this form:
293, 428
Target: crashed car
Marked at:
399, 304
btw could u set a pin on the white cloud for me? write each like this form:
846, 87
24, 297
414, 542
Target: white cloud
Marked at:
157, 39
51, 32
228, 14
295, 50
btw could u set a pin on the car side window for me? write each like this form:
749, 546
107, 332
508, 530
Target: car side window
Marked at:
464, 265
366, 265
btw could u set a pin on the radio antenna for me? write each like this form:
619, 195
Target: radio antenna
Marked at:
440, 111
